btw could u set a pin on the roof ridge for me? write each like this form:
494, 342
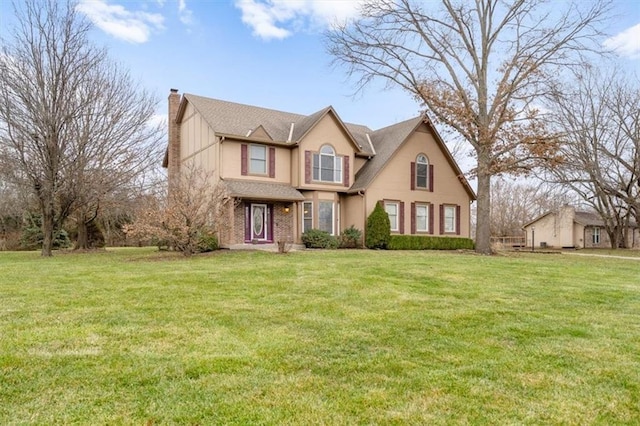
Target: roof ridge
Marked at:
246, 105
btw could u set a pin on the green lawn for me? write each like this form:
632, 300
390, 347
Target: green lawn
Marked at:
133, 336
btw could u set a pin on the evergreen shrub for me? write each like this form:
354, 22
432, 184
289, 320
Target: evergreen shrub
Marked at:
378, 229
351, 238
315, 238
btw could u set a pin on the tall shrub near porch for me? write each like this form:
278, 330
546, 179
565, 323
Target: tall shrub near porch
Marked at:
378, 229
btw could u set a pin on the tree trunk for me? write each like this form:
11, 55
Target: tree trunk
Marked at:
483, 210
82, 242
47, 231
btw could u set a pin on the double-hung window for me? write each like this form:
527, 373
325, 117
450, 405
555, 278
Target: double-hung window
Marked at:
595, 238
258, 159
422, 217
450, 219
327, 166
392, 211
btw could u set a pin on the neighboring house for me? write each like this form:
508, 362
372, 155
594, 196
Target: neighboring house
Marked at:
290, 173
568, 228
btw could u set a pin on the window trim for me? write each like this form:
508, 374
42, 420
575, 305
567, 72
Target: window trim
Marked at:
397, 215
338, 161
333, 215
426, 217
250, 159
426, 171
454, 209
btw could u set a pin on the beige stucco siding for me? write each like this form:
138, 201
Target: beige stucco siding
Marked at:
546, 231
578, 235
394, 182
358, 163
232, 163
353, 211
327, 131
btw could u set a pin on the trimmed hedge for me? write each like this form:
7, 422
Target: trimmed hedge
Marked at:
315, 238
418, 242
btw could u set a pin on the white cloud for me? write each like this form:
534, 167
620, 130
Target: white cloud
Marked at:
185, 14
626, 43
278, 19
116, 20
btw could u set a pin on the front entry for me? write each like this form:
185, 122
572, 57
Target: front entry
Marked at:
258, 223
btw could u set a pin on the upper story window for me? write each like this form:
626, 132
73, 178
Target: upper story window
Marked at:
422, 172
327, 166
258, 159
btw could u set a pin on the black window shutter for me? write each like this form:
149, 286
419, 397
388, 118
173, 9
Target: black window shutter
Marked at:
431, 177
413, 175
413, 218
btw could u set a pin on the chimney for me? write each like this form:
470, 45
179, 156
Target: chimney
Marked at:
173, 163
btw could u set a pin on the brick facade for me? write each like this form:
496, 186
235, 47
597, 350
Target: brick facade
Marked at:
283, 223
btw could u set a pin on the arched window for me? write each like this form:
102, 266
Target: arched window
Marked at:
422, 171
327, 166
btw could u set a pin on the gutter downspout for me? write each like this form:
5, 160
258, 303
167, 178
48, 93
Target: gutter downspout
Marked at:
364, 215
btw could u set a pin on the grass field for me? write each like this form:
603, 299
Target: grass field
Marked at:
133, 336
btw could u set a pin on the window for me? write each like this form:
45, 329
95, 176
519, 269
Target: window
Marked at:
307, 216
450, 219
422, 218
595, 238
327, 166
422, 170
258, 159
325, 216
392, 211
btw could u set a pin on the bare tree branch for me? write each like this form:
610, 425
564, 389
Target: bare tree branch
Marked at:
478, 67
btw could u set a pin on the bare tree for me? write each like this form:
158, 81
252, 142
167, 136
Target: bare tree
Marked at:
600, 121
73, 123
513, 204
477, 66
193, 210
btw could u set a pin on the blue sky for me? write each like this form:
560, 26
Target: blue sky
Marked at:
262, 52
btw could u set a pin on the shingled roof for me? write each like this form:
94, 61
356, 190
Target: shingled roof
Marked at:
386, 142
230, 118
239, 120
262, 190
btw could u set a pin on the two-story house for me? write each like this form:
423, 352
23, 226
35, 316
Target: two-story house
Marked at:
289, 173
